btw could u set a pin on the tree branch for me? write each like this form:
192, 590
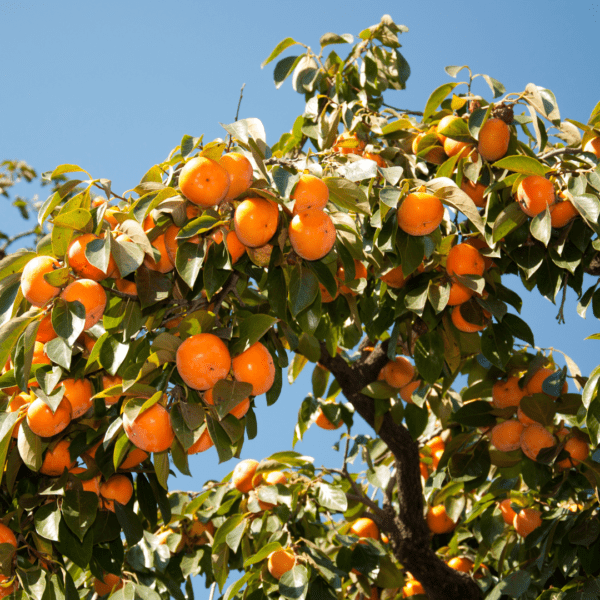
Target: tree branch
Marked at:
405, 524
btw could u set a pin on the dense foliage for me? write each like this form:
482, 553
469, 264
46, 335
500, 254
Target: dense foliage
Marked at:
141, 327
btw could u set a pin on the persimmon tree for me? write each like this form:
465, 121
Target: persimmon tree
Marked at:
369, 241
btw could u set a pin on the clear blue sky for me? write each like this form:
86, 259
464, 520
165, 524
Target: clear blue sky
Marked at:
113, 86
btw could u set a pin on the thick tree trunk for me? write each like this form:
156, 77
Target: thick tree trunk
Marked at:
407, 529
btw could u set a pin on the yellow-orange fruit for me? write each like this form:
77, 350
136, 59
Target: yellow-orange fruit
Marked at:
57, 459
394, 278
237, 411
376, 158
7, 536
170, 240
255, 366
202, 444
197, 531
81, 265
204, 181
494, 137
562, 213
91, 294
535, 384
312, 233
534, 439
507, 393
117, 488
151, 430
126, 286
365, 528
45, 331
36, 290
310, 192
438, 520
79, 393
464, 259
45, 424
240, 173
324, 423
463, 149
108, 584
527, 520
461, 563
255, 221
109, 381
506, 436
280, 562
243, 475
593, 146
88, 485
578, 450
459, 294
534, 194
360, 272
474, 191
462, 324
355, 145
412, 588
6, 589
408, 390
14, 406
202, 360
164, 264
420, 213
444, 122
508, 514
235, 248
398, 372
134, 458
527, 421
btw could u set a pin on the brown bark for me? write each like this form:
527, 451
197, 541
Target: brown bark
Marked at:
406, 526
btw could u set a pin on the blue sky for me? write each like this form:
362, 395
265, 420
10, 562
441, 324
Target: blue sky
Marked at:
114, 85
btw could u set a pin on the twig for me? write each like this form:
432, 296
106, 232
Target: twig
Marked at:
359, 493
16, 237
346, 449
237, 114
229, 285
213, 587
560, 317
120, 294
403, 110
559, 151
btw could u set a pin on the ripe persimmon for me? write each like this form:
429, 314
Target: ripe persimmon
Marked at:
117, 488
593, 146
164, 264
474, 191
91, 294
534, 439
81, 265
462, 324
562, 213
15, 405
79, 393
312, 233
420, 213
527, 520
134, 458
461, 563
89, 484
235, 248
376, 158
43, 422
360, 272
349, 143
243, 474
494, 138
109, 381
240, 173
324, 423
459, 294
151, 430
506, 436
202, 360
280, 562
535, 384
237, 411
408, 390
202, 444
255, 221
577, 449
394, 278
508, 514
196, 532
45, 331
398, 372
534, 194
464, 259
36, 290
57, 459
171, 242
7, 536
107, 584
7, 589
326, 297
463, 149
365, 528
507, 393
412, 588
204, 181
255, 366
438, 520
527, 421
444, 122
309, 192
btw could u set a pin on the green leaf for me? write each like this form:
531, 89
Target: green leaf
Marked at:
79, 511
47, 521
68, 319
30, 447
508, 220
495, 86
12, 330
519, 328
514, 585
522, 164
334, 38
429, 355
303, 289
261, 554
541, 228
331, 497
445, 189
588, 207
294, 584
591, 387
283, 45
284, 68
235, 587
496, 344
228, 394
251, 330
130, 523
62, 169
436, 98
539, 407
